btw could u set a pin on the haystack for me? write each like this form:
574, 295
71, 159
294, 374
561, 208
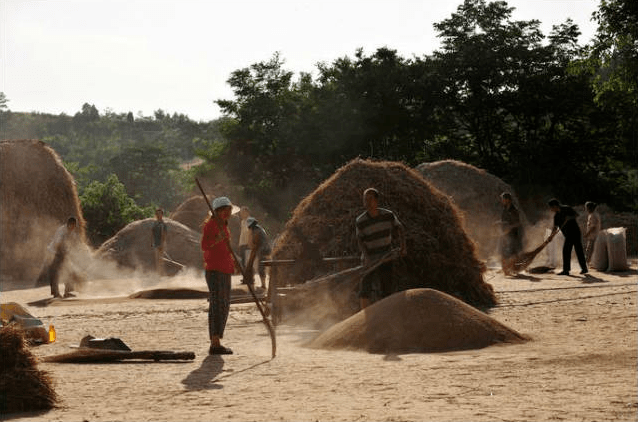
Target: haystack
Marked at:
477, 194
194, 211
23, 387
417, 321
131, 246
440, 255
37, 196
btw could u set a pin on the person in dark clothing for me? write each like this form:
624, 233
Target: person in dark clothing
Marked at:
512, 234
565, 221
158, 240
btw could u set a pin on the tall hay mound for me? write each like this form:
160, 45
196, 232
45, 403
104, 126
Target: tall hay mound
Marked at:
194, 211
417, 321
23, 387
440, 255
477, 194
131, 246
37, 196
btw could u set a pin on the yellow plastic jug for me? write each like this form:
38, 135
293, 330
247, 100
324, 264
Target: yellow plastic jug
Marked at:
51, 333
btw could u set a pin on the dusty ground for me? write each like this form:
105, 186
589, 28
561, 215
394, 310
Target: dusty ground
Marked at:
581, 364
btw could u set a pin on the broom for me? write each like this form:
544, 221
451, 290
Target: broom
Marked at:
523, 260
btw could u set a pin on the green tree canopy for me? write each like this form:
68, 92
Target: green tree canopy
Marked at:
107, 209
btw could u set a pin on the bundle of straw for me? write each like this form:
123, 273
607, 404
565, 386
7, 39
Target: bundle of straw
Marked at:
22, 386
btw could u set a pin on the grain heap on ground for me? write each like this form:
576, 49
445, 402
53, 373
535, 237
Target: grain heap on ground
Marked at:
38, 194
23, 387
440, 255
477, 194
417, 321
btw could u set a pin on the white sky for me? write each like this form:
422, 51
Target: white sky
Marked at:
143, 55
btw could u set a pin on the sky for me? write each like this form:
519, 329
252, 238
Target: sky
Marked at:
145, 55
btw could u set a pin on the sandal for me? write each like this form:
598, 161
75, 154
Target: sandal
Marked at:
219, 350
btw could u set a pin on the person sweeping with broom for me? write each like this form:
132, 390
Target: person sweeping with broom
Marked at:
565, 221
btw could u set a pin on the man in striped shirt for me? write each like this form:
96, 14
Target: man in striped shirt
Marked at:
375, 229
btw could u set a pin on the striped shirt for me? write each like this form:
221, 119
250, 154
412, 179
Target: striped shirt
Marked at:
375, 233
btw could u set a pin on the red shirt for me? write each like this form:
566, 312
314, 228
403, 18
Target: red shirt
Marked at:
217, 256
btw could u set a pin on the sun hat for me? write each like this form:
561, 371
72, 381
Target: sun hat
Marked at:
221, 201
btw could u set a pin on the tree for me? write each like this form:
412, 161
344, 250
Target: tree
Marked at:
483, 58
3, 102
107, 209
615, 49
263, 152
371, 105
3, 113
148, 172
613, 65
512, 100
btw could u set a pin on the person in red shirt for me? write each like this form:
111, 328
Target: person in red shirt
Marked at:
220, 265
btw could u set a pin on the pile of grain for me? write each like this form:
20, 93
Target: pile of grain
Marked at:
37, 195
131, 246
440, 255
22, 386
417, 321
477, 194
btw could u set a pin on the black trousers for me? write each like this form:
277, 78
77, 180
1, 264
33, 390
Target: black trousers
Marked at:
573, 242
54, 271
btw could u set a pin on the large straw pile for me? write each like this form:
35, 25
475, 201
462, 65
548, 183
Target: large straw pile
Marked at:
131, 246
440, 255
192, 212
417, 321
477, 194
37, 196
22, 386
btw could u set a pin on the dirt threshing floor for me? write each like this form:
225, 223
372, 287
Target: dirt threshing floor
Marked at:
580, 365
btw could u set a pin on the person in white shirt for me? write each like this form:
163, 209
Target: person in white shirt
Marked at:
259, 249
244, 235
593, 228
66, 238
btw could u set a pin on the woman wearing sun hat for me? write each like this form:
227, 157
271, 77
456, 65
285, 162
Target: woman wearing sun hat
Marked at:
220, 265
